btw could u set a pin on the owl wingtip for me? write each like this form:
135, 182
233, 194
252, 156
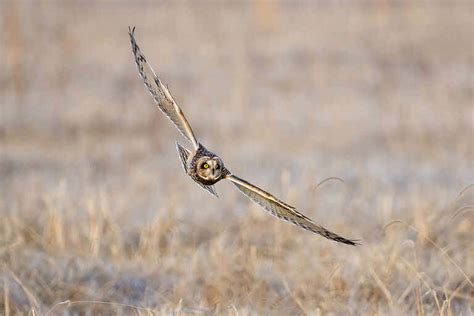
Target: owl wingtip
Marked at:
351, 242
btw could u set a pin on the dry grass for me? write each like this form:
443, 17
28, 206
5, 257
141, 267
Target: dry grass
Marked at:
380, 95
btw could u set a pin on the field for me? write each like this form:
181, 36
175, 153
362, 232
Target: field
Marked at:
97, 216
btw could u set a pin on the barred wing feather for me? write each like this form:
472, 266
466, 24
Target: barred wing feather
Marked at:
160, 93
284, 211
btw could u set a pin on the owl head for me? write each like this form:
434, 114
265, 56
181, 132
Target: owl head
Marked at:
210, 169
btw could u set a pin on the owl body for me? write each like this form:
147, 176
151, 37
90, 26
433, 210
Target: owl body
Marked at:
203, 166
206, 167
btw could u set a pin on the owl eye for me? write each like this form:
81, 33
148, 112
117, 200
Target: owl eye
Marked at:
205, 166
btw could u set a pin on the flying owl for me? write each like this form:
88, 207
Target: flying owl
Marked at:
205, 167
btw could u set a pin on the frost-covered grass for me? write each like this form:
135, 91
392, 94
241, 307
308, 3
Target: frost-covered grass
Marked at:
96, 215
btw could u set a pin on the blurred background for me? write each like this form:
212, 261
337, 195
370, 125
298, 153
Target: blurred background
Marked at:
97, 215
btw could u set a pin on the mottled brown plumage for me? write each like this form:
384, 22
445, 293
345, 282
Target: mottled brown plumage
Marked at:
207, 168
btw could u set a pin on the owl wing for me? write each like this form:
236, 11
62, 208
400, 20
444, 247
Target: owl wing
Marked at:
160, 93
184, 155
284, 211
209, 188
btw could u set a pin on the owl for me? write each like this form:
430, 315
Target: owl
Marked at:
206, 168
